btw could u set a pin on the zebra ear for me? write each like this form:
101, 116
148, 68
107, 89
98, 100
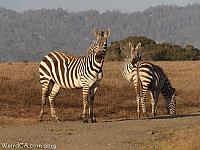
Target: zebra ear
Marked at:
130, 45
107, 33
122, 48
138, 46
132, 49
174, 91
138, 51
96, 33
127, 60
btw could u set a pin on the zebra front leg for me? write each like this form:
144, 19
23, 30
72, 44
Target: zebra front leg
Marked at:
52, 96
155, 108
154, 101
85, 103
91, 103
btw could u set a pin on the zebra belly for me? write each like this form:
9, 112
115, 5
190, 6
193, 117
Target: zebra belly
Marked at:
73, 83
69, 83
77, 83
95, 80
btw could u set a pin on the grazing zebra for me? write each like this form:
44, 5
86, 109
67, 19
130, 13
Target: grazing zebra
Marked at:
60, 70
148, 77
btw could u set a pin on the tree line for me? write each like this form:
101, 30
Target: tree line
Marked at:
31, 34
153, 51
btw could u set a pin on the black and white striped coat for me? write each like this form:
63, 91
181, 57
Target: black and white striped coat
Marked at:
58, 70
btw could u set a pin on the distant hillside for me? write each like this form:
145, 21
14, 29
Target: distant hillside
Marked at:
32, 34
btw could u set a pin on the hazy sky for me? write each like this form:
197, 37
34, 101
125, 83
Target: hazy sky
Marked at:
100, 5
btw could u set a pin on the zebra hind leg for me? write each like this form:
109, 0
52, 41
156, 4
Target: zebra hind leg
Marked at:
138, 105
52, 96
85, 103
143, 103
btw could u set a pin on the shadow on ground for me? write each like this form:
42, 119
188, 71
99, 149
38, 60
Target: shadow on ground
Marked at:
157, 117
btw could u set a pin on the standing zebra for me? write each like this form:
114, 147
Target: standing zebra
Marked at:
60, 70
148, 77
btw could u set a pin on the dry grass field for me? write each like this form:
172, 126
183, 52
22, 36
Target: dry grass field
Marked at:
20, 94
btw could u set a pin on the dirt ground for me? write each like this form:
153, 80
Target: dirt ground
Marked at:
120, 134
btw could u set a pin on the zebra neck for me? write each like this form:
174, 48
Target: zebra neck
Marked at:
166, 88
98, 61
98, 58
91, 49
90, 59
136, 64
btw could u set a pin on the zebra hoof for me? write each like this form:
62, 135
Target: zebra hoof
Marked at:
93, 120
85, 120
146, 116
153, 115
40, 119
138, 116
56, 119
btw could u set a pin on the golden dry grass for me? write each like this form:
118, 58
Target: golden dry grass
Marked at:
187, 139
20, 92
183, 139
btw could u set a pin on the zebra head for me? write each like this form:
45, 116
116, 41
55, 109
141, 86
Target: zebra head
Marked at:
101, 44
135, 54
127, 69
101, 33
172, 104
131, 60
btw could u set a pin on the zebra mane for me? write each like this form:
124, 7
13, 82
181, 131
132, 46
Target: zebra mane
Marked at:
92, 48
165, 80
127, 61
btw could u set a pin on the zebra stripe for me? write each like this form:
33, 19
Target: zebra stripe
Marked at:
151, 78
60, 70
